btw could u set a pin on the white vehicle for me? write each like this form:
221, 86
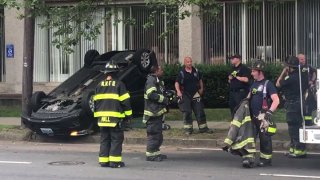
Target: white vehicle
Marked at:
311, 134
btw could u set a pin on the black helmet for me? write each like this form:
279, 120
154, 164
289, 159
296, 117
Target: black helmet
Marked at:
258, 65
111, 67
292, 61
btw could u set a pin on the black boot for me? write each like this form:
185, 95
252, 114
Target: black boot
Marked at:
163, 156
264, 162
247, 163
206, 130
154, 158
104, 164
117, 164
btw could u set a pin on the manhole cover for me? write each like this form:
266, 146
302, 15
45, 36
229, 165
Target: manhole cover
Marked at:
66, 163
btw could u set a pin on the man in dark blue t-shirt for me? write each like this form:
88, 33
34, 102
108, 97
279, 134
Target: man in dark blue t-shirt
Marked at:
262, 92
238, 79
189, 87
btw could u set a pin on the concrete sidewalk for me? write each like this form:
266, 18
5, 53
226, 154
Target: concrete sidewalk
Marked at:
214, 140
16, 121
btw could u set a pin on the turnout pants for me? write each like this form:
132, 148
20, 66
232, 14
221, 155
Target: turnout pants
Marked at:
235, 97
265, 141
294, 121
154, 135
193, 104
111, 144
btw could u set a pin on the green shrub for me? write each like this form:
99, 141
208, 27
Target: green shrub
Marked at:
215, 78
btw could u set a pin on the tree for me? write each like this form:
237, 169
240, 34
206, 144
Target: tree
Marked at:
72, 20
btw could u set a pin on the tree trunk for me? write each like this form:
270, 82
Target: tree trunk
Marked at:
27, 74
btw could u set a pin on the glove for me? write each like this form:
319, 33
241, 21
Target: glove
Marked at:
226, 148
234, 73
165, 126
125, 124
171, 95
268, 117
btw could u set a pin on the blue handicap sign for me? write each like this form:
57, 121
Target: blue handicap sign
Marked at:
10, 50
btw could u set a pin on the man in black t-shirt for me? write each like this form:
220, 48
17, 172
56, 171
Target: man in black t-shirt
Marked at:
262, 92
189, 87
238, 82
289, 82
310, 103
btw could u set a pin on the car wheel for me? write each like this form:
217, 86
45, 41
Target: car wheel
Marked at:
36, 100
145, 59
90, 56
87, 103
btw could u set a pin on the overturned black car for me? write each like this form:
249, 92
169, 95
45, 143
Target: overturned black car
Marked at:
67, 110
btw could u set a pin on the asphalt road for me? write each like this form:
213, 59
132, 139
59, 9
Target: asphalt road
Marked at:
33, 161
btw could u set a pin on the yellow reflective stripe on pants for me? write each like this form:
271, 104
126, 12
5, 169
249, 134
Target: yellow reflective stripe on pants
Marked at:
236, 123
248, 156
228, 141
201, 126
115, 158
148, 91
299, 152
124, 97
103, 159
128, 113
105, 96
251, 150
186, 126
308, 118
100, 124
291, 150
246, 119
153, 153
109, 113
149, 113
265, 156
243, 143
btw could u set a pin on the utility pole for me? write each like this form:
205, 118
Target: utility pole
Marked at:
27, 72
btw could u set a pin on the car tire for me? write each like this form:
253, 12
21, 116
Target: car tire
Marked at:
87, 103
36, 100
90, 56
145, 59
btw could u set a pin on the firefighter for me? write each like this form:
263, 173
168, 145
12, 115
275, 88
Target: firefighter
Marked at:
113, 110
190, 88
264, 100
155, 103
289, 82
238, 83
310, 103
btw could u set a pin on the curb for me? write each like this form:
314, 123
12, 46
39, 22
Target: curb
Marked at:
27, 135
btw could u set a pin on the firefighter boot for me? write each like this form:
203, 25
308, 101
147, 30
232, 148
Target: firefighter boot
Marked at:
206, 130
247, 162
104, 165
154, 158
117, 164
163, 156
293, 155
264, 162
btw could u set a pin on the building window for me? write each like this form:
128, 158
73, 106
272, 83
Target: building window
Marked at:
126, 36
52, 64
309, 30
268, 33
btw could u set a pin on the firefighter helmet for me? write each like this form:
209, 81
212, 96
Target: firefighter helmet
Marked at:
258, 65
292, 61
111, 67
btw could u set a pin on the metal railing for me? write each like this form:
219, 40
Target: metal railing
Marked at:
270, 32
